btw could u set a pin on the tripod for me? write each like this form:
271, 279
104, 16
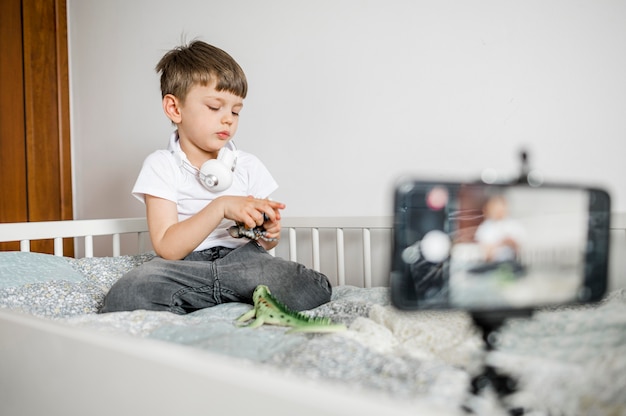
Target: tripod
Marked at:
490, 378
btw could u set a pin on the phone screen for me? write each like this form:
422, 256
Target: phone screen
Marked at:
498, 247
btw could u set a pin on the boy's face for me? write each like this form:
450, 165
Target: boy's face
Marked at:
496, 208
206, 120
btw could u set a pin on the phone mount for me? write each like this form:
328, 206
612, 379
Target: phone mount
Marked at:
489, 322
524, 168
460, 272
527, 176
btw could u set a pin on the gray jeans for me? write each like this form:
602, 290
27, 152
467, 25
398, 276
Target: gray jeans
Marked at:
217, 275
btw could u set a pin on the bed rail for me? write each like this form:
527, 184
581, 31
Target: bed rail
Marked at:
339, 225
57, 230
292, 229
295, 230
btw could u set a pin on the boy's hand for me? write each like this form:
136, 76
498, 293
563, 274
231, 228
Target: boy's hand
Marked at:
173, 239
254, 212
272, 228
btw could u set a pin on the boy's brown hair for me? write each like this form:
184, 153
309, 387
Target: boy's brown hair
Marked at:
200, 63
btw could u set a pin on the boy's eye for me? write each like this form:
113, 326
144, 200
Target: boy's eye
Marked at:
234, 111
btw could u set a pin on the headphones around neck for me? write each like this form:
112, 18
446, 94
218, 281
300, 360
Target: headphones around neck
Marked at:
215, 174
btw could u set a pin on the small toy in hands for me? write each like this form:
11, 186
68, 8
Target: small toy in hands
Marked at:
239, 230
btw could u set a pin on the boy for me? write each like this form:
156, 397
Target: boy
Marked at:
194, 190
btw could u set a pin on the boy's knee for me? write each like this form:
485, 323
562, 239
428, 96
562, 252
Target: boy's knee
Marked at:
308, 289
321, 290
133, 291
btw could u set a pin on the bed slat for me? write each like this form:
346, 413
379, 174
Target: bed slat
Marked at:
315, 243
89, 246
293, 246
117, 245
58, 246
367, 258
341, 260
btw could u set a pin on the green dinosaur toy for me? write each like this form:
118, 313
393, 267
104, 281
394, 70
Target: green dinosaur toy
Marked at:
269, 310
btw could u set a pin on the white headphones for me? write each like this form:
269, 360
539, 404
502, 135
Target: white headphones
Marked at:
215, 174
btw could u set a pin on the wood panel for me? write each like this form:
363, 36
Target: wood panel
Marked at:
40, 92
13, 204
13, 200
36, 155
63, 97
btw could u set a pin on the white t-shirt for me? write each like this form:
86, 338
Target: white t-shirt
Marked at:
168, 174
495, 232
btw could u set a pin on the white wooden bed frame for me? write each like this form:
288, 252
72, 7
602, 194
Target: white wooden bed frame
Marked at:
369, 250
315, 228
42, 361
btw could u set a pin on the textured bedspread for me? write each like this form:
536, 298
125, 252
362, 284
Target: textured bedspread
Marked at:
568, 361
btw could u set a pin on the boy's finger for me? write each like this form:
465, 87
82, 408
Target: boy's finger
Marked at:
276, 204
270, 216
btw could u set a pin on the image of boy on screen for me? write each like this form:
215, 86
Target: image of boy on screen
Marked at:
526, 249
498, 234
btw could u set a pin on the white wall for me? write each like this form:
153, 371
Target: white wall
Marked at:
347, 95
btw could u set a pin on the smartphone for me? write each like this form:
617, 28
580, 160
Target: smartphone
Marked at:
495, 247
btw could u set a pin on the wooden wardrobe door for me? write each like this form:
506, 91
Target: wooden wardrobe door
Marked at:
35, 170
14, 202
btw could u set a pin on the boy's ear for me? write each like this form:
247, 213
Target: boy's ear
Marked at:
171, 107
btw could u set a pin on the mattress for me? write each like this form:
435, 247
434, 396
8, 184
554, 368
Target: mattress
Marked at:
568, 360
